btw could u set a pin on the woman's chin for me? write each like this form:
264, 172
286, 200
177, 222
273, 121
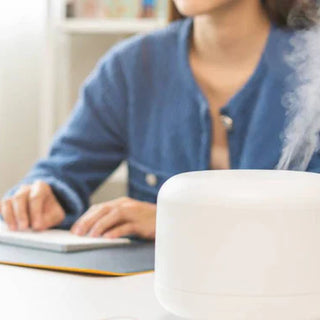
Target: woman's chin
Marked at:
192, 8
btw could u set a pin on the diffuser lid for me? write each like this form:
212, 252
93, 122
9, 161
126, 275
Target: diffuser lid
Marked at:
236, 188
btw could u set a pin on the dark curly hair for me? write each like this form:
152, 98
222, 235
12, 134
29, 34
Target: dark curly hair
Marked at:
289, 14
293, 14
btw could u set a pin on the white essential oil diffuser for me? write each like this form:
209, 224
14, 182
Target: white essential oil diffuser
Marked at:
239, 244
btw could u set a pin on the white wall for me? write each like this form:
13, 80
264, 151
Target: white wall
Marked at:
21, 53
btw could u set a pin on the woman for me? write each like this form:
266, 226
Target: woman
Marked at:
204, 93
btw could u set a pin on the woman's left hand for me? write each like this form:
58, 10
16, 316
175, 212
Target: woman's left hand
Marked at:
118, 218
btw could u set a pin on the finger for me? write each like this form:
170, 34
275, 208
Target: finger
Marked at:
20, 207
120, 231
85, 223
37, 196
115, 217
96, 212
55, 216
7, 214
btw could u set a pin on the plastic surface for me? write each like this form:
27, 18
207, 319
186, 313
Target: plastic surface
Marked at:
56, 240
243, 243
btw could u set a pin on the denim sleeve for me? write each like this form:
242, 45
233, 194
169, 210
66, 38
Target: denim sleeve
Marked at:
91, 144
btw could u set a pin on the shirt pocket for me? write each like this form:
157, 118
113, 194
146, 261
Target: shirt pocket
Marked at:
145, 182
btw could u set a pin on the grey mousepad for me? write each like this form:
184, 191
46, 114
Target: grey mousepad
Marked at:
137, 257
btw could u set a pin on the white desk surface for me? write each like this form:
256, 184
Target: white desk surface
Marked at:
38, 295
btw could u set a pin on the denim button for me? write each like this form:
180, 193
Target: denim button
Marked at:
151, 179
227, 122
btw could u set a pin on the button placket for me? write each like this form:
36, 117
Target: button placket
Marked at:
206, 129
151, 179
227, 122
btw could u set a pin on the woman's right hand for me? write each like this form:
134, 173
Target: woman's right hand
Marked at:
32, 206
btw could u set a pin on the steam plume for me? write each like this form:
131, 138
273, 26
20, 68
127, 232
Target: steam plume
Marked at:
301, 136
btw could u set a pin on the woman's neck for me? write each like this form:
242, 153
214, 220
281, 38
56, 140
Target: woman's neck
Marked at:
231, 33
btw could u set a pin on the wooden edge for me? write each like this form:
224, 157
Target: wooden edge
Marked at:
74, 270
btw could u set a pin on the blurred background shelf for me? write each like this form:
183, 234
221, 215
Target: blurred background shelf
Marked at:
111, 26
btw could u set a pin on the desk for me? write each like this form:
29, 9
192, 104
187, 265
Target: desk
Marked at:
31, 294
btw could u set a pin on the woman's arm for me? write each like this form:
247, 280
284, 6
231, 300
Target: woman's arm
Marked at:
90, 146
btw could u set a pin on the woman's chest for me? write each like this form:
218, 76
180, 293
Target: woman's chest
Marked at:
166, 143
176, 133
218, 95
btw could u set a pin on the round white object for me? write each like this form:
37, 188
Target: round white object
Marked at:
239, 244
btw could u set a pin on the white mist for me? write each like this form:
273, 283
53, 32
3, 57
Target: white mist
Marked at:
302, 103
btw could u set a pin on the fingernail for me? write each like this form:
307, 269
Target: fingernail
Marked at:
78, 230
37, 225
93, 235
13, 227
23, 226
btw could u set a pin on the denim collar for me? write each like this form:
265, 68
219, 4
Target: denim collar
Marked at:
232, 107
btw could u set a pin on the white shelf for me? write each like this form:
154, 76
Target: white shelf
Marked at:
113, 26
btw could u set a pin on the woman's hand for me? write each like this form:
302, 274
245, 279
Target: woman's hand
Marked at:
118, 218
32, 206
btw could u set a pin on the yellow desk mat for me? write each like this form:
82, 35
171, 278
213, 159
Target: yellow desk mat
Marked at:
133, 259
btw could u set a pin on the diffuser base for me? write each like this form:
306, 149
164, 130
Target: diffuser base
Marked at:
234, 307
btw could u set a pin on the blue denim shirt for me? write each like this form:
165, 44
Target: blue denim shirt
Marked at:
142, 104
